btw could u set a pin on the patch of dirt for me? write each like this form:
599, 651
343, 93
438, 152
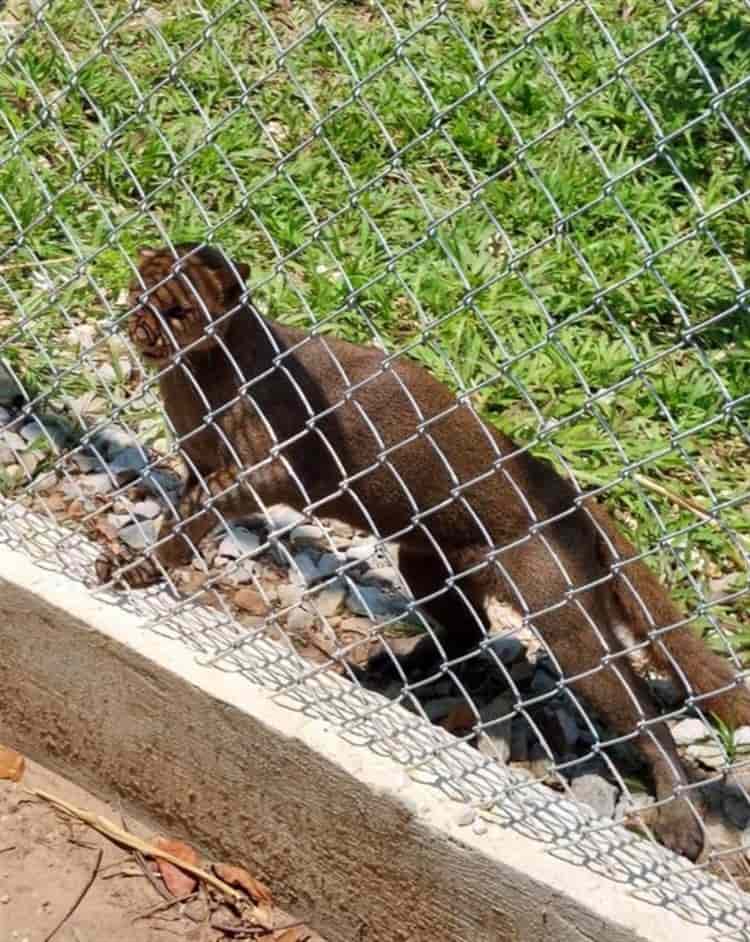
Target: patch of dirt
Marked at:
47, 859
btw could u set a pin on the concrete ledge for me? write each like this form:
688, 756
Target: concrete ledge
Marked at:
347, 841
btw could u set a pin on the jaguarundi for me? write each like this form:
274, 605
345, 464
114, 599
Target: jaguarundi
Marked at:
356, 434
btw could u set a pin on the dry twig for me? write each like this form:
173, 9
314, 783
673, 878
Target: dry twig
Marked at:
119, 836
79, 898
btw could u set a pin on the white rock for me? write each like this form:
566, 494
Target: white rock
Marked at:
306, 534
147, 508
280, 517
118, 521
13, 441
82, 336
240, 573
330, 599
89, 484
479, 826
238, 541
595, 792
86, 462
139, 535
710, 754
300, 619
362, 551
289, 594
465, 816
383, 575
689, 731
742, 737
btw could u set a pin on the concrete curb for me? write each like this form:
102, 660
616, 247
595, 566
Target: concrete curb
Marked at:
348, 842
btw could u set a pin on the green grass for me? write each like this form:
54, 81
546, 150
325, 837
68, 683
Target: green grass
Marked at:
268, 154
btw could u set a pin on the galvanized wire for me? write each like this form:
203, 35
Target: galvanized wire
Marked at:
66, 262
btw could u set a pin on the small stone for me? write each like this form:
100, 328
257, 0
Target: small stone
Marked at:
383, 575
86, 462
373, 602
128, 459
139, 535
238, 542
29, 461
329, 563
48, 428
361, 552
146, 508
742, 738
479, 826
82, 336
305, 570
113, 439
710, 754
239, 573
13, 441
595, 792
465, 816
282, 517
300, 619
289, 595
251, 601
89, 484
689, 731
306, 534
330, 599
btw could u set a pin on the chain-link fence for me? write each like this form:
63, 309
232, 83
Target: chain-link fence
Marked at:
534, 217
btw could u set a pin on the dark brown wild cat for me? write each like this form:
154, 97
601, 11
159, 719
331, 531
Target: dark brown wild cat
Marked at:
356, 433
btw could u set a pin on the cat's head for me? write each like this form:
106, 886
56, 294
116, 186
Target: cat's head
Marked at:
182, 299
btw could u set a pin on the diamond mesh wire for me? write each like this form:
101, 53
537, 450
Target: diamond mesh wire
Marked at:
543, 204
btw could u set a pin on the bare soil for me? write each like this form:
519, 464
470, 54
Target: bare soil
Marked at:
47, 860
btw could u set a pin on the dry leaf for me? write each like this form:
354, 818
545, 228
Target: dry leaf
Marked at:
292, 934
238, 876
12, 765
249, 600
177, 881
262, 915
